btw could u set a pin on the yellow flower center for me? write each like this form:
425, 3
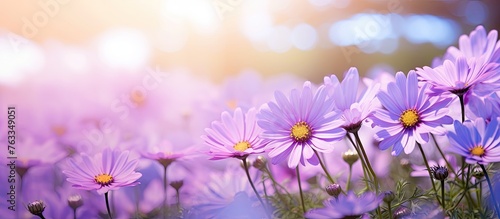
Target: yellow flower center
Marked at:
103, 179
301, 132
477, 150
138, 97
59, 130
232, 104
242, 146
409, 118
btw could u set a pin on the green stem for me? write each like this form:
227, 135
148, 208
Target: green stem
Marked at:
442, 155
349, 178
107, 205
491, 189
363, 164
253, 186
178, 197
442, 194
300, 189
428, 169
358, 140
390, 209
324, 168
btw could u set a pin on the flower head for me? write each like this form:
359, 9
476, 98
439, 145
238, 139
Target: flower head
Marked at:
355, 106
475, 45
409, 115
298, 125
439, 172
234, 136
110, 170
476, 141
346, 206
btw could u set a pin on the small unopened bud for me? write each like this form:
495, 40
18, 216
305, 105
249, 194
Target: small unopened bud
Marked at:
334, 190
75, 201
401, 212
37, 208
350, 157
405, 163
177, 184
439, 172
478, 173
389, 196
260, 163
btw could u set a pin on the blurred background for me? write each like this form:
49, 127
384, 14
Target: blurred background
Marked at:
217, 38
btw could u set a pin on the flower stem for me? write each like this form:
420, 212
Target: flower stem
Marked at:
442, 155
428, 169
462, 106
363, 164
349, 178
165, 191
74, 213
107, 204
389, 208
360, 145
300, 189
253, 186
324, 168
442, 194
491, 189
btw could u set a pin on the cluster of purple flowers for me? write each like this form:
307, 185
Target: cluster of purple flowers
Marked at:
140, 145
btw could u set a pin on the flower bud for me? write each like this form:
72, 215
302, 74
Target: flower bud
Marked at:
260, 163
334, 190
439, 172
75, 201
350, 157
36, 208
478, 173
389, 196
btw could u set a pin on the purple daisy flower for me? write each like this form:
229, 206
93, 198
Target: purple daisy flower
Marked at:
110, 170
346, 206
461, 76
235, 136
299, 125
355, 108
475, 45
477, 141
409, 115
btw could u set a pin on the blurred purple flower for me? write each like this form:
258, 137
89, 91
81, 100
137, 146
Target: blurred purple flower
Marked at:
346, 206
110, 170
299, 125
487, 108
355, 108
235, 136
409, 115
476, 45
476, 141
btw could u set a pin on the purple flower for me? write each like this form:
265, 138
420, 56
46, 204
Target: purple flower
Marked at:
475, 45
409, 115
476, 141
487, 108
461, 77
355, 108
234, 136
110, 170
299, 125
346, 206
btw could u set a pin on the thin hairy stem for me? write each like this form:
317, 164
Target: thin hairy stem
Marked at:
107, 204
324, 168
253, 186
428, 169
495, 203
300, 189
